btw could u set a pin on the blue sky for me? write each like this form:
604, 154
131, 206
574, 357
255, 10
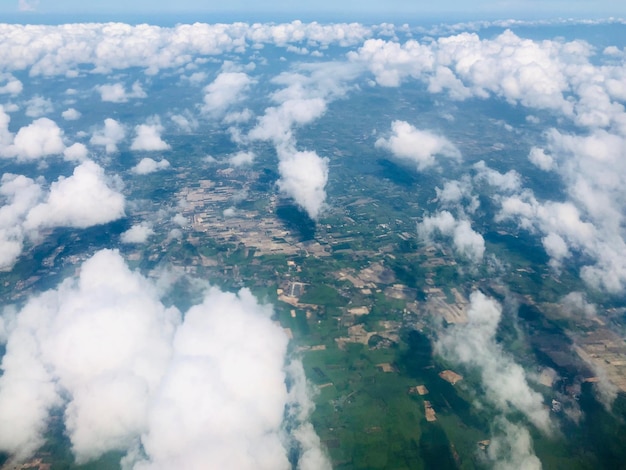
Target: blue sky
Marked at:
343, 9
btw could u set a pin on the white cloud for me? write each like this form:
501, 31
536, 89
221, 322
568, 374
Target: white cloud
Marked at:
237, 117
605, 390
590, 221
575, 303
277, 122
75, 152
519, 70
102, 340
148, 165
112, 134
467, 242
458, 194
391, 62
12, 85
511, 447
226, 392
418, 146
303, 176
180, 219
227, 89
19, 195
474, 345
175, 234
39, 139
241, 158
562, 218
315, 33
540, 159
548, 74
116, 92
6, 137
71, 114
556, 248
148, 138
197, 78
38, 106
55, 50
185, 122
302, 99
81, 200
207, 389
505, 182
138, 233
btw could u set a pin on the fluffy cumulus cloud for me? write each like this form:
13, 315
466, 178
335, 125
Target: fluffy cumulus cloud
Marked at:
504, 182
6, 137
76, 152
562, 218
303, 98
84, 199
464, 65
109, 136
417, 146
391, 62
10, 85
203, 390
467, 242
277, 122
38, 106
303, 176
148, 165
71, 114
540, 159
227, 89
116, 92
19, 194
551, 74
458, 194
185, 122
148, 137
138, 233
41, 138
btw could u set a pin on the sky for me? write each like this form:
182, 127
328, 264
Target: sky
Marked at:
391, 10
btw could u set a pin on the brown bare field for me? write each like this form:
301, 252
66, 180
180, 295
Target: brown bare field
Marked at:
429, 411
450, 376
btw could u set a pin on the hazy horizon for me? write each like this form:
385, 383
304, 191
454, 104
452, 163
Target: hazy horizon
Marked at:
398, 11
